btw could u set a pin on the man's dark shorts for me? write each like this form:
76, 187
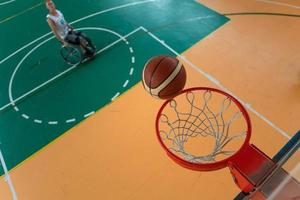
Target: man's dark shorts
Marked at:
73, 37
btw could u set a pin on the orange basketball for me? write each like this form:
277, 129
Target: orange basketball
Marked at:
164, 76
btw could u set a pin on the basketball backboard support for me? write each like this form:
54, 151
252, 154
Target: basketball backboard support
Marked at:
282, 183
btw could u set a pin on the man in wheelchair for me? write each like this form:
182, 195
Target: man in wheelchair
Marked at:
64, 32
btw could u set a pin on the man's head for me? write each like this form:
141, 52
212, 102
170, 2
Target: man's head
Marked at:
50, 5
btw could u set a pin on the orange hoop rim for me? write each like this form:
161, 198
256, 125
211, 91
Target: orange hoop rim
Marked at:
206, 166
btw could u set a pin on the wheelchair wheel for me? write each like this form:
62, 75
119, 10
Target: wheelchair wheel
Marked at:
72, 55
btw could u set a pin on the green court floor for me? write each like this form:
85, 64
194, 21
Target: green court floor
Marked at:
50, 96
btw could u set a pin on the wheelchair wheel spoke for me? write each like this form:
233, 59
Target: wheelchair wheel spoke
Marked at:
71, 55
77, 56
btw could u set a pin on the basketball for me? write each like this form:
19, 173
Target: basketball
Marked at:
164, 77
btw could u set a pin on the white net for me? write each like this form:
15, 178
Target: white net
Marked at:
202, 126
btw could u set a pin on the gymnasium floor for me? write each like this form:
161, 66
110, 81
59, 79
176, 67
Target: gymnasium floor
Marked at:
87, 132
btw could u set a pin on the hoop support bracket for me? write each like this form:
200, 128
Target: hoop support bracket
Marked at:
250, 167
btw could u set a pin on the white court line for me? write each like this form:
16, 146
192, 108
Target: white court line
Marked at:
38, 121
24, 47
198, 18
116, 95
76, 21
216, 82
114, 8
89, 114
126, 83
13, 101
131, 71
279, 3
25, 116
53, 122
7, 2
131, 50
71, 120
7, 177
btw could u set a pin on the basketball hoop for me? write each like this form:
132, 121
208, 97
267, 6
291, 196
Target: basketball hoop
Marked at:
207, 129
195, 119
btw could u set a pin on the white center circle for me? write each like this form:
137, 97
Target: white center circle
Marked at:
6, 2
39, 121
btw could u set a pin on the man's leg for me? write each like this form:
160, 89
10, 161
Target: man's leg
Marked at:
84, 43
74, 38
78, 38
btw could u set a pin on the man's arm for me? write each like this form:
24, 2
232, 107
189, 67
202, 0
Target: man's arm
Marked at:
53, 28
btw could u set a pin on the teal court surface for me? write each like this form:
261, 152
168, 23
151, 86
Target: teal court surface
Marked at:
41, 97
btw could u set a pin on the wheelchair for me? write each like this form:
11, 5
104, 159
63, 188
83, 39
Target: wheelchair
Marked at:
74, 55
